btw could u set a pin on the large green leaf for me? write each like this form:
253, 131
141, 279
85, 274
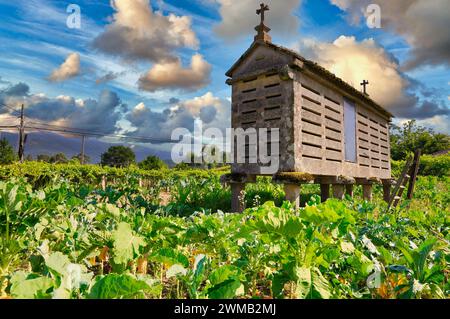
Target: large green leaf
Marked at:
278, 220
170, 257
58, 262
25, 286
304, 282
311, 284
224, 283
115, 286
126, 244
225, 290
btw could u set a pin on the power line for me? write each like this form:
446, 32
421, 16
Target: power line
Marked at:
9, 107
8, 117
81, 133
37, 125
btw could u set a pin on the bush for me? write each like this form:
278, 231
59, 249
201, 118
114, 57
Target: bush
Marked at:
118, 156
7, 155
152, 163
429, 166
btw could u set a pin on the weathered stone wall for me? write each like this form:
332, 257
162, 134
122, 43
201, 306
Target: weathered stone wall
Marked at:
264, 102
320, 133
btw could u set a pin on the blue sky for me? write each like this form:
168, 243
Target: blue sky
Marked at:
35, 42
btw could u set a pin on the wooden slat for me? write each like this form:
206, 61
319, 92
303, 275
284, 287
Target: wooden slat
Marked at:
311, 151
272, 113
333, 115
273, 101
333, 155
312, 106
333, 144
374, 155
311, 95
333, 134
311, 117
251, 117
364, 143
364, 160
312, 128
259, 83
375, 163
312, 139
333, 105
333, 125
374, 132
272, 90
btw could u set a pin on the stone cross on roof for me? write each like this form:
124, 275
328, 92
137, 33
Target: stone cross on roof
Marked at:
264, 8
263, 30
364, 85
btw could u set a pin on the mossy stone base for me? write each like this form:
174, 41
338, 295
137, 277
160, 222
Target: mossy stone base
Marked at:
293, 178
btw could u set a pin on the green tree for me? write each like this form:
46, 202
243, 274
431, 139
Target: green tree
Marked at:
87, 159
152, 163
43, 158
7, 155
59, 158
410, 137
118, 156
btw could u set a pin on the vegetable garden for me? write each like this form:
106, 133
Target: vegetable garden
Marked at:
63, 236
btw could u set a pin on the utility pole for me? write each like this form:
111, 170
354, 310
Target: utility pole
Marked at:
21, 135
83, 140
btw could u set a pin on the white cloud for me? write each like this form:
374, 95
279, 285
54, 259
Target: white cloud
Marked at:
355, 61
69, 69
213, 111
173, 75
239, 17
423, 24
437, 123
138, 33
196, 104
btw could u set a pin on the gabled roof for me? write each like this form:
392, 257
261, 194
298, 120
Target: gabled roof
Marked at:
315, 68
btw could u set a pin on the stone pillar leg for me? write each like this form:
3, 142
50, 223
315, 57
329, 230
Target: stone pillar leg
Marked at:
103, 183
349, 190
338, 191
293, 194
324, 192
387, 192
367, 192
237, 205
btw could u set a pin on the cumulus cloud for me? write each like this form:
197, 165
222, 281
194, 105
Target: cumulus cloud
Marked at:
138, 33
173, 75
13, 96
354, 61
213, 111
17, 90
69, 69
422, 23
99, 115
239, 17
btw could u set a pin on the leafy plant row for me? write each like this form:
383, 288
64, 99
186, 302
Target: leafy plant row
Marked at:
72, 241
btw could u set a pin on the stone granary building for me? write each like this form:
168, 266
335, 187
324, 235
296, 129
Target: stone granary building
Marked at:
329, 132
